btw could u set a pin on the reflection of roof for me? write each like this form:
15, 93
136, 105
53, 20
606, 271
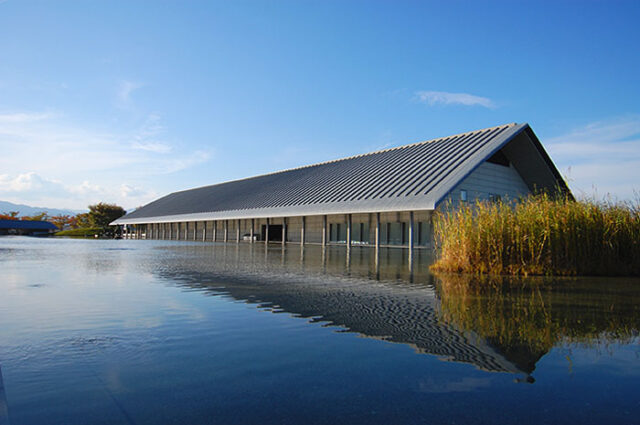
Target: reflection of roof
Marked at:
411, 177
391, 311
27, 225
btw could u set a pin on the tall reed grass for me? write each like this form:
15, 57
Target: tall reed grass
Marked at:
539, 236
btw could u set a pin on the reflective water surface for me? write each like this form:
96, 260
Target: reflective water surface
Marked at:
158, 332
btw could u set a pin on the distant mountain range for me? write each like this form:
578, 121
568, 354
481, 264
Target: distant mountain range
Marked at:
5, 207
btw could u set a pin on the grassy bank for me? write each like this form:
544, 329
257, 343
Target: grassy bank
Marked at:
540, 236
85, 232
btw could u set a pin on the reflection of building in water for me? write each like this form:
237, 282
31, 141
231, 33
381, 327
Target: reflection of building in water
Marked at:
383, 198
402, 307
4, 412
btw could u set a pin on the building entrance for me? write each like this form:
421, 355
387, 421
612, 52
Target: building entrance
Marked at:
275, 232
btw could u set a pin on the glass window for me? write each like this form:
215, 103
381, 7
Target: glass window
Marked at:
405, 233
356, 232
342, 232
463, 195
384, 233
423, 233
364, 231
395, 233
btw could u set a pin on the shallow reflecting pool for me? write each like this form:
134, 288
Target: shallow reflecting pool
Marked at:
158, 332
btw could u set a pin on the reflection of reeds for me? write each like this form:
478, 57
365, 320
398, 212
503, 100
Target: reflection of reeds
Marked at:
515, 315
506, 318
539, 236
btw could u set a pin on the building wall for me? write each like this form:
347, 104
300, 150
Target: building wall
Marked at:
363, 229
489, 180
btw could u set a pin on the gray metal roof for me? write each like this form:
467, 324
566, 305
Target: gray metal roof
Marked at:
411, 177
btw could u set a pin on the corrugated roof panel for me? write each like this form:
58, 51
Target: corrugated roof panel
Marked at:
406, 177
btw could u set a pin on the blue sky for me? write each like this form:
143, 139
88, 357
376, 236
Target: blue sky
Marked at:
126, 101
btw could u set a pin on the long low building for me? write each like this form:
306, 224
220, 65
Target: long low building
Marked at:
383, 198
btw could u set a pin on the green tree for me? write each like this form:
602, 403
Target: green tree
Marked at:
101, 214
80, 221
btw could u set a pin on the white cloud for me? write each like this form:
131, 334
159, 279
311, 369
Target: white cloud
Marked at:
446, 98
25, 182
39, 153
152, 147
21, 117
30, 187
601, 158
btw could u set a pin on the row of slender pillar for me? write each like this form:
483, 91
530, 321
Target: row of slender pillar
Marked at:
159, 231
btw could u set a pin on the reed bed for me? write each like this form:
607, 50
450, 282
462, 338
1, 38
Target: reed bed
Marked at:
539, 236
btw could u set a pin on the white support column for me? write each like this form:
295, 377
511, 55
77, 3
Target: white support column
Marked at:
204, 231
215, 230
324, 230
284, 230
226, 230
377, 236
252, 229
302, 229
410, 238
238, 231
266, 232
411, 230
195, 230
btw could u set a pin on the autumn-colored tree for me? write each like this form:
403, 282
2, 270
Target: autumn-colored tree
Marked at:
37, 217
11, 215
61, 221
102, 214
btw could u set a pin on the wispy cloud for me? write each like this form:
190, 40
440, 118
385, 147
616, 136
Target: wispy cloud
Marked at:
124, 91
147, 134
124, 94
602, 156
152, 147
21, 117
39, 153
433, 98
